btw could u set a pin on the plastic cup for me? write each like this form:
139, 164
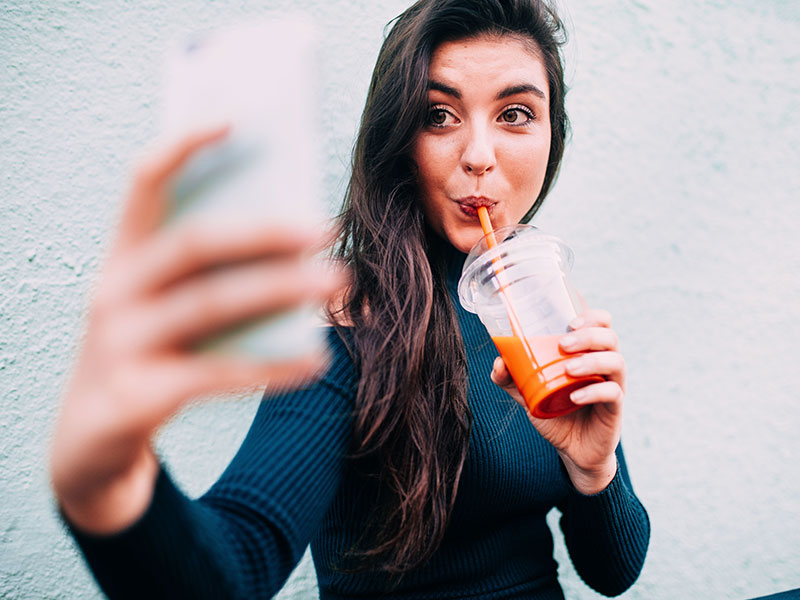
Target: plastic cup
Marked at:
520, 291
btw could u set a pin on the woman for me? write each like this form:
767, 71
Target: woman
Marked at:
407, 469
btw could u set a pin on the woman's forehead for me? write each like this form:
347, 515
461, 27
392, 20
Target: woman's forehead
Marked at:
488, 60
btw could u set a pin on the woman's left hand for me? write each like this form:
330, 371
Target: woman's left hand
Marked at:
587, 438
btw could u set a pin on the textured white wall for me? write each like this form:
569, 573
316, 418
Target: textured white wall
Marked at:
679, 195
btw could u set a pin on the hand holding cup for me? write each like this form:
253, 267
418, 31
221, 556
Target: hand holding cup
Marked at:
571, 386
587, 438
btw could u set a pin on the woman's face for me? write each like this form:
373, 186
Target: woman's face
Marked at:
486, 140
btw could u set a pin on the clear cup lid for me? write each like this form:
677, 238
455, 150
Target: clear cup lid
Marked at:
514, 242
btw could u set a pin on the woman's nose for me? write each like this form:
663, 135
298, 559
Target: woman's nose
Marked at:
478, 156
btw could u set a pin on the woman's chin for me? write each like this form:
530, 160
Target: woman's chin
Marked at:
463, 241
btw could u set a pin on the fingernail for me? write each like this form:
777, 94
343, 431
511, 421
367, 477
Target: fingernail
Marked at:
578, 395
576, 367
576, 323
568, 340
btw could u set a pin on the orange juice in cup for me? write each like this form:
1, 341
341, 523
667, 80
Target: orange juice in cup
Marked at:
538, 372
515, 279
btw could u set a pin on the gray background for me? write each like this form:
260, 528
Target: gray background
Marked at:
678, 194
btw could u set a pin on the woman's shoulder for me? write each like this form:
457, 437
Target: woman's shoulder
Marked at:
331, 393
342, 371
338, 375
339, 329
341, 346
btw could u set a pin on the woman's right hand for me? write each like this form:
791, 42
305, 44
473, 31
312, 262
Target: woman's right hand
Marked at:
158, 293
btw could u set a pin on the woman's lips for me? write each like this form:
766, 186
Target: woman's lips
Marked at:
469, 206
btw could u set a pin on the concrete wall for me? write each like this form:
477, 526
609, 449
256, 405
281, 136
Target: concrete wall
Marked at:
679, 195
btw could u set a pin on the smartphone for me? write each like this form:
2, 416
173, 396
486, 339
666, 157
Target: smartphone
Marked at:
258, 77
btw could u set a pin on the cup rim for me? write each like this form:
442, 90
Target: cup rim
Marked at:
492, 254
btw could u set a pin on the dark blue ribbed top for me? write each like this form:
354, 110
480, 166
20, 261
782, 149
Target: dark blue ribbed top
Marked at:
291, 484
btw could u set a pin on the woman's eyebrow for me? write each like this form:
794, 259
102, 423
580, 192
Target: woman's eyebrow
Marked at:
522, 88
444, 88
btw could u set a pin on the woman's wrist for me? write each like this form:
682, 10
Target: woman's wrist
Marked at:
111, 508
592, 480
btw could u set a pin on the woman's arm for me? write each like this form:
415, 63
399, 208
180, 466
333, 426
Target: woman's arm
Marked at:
607, 533
585, 439
605, 525
245, 535
162, 290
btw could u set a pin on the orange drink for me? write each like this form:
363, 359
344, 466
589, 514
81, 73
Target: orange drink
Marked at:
515, 280
538, 371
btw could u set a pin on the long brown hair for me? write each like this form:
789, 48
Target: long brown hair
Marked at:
412, 415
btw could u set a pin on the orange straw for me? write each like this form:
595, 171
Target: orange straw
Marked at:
486, 225
513, 319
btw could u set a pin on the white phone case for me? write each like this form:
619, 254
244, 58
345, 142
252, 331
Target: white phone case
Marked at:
260, 78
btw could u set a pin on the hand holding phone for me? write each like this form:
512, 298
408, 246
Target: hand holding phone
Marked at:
229, 251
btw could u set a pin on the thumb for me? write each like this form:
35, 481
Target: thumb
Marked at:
500, 374
145, 205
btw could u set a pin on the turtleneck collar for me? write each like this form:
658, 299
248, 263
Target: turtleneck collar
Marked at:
454, 260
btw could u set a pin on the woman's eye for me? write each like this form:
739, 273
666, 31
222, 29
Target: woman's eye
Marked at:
440, 117
517, 116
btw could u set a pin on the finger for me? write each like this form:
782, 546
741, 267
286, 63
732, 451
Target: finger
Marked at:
147, 395
233, 295
194, 246
206, 375
593, 317
145, 204
590, 338
608, 364
607, 392
500, 374
502, 378
209, 303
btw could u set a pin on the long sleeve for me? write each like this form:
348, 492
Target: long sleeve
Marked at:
607, 534
245, 535
293, 483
